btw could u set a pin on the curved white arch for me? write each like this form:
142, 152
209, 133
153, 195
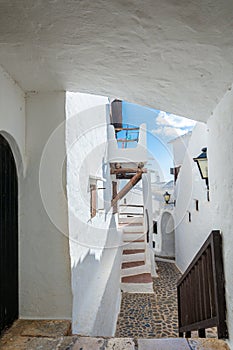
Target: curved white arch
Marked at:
167, 229
19, 160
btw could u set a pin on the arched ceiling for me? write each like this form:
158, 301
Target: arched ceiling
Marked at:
173, 55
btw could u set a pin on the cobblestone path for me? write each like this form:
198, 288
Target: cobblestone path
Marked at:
151, 315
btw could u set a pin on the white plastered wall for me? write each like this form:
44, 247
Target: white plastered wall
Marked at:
180, 145
44, 276
189, 236
147, 200
94, 243
45, 290
220, 155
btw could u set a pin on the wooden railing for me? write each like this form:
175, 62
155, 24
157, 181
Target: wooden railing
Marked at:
201, 291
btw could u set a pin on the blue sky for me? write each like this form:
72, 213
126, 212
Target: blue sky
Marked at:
162, 127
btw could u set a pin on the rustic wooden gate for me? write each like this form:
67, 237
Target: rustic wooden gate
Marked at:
8, 236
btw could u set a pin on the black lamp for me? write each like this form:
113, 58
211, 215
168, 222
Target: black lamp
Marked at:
167, 197
202, 163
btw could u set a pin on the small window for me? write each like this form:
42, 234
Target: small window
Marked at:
93, 200
155, 227
197, 204
190, 216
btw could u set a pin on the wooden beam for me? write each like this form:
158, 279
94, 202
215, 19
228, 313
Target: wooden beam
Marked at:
124, 176
119, 129
132, 182
128, 170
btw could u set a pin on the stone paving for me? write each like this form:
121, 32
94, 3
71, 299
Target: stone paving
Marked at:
55, 335
153, 315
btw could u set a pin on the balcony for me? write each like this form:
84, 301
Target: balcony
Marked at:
127, 145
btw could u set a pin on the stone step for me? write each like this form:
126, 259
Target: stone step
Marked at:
91, 343
132, 219
140, 278
133, 257
133, 229
133, 251
130, 224
133, 236
132, 245
141, 240
54, 334
182, 344
137, 288
131, 271
129, 264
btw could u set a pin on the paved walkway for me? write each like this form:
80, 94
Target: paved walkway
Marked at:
55, 335
151, 315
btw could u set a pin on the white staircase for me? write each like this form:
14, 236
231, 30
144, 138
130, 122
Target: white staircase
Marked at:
136, 267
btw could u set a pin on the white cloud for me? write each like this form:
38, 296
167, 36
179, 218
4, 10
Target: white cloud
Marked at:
171, 125
173, 120
169, 131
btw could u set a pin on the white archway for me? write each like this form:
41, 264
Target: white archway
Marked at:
167, 228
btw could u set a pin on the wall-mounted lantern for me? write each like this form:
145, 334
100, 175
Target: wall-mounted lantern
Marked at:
167, 197
202, 163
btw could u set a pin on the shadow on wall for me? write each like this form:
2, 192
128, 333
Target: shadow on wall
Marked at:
96, 289
167, 235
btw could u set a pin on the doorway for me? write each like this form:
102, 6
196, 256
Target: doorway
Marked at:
9, 305
167, 235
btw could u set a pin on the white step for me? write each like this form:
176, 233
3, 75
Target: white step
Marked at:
133, 257
133, 219
133, 229
133, 236
137, 287
136, 270
134, 245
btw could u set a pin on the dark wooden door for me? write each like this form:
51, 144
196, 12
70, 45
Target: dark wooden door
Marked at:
8, 236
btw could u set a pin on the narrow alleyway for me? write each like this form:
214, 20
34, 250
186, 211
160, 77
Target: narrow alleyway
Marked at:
151, 315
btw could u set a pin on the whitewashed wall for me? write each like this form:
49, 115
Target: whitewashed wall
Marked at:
94, 243
189, 236
45, 290
220, 154
190, 187
179, 146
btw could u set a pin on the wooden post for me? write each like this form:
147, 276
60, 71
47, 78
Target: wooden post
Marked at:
114, 193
